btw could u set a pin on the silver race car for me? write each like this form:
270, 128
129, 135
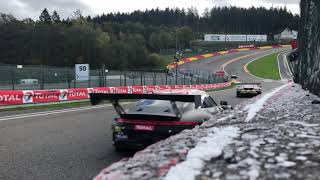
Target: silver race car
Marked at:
248, 89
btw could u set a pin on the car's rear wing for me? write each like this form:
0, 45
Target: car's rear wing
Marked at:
242, 84
249, 84
97, 98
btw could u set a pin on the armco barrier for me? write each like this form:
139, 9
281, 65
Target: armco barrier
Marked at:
204, 56
44, 96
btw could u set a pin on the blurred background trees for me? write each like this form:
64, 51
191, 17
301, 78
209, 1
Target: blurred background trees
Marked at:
126, 40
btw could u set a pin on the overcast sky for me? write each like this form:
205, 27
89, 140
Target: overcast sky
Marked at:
32, 8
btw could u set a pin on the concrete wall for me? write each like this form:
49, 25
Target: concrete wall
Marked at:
308, 69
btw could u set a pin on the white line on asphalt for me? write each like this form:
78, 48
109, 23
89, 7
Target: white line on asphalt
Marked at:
279, 68
6, 118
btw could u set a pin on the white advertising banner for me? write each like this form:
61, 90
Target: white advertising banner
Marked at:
257, 38
215, 37
236, 37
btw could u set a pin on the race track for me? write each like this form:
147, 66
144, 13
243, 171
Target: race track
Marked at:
76, 144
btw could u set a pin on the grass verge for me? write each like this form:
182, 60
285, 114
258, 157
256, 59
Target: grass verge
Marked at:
265, 67
221, 89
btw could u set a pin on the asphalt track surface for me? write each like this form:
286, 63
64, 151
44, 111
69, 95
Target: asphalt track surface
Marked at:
76, 143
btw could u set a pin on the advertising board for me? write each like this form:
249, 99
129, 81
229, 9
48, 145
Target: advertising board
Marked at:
236, 37
215, 37
257, 38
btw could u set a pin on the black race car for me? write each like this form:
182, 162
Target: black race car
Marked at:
157, 116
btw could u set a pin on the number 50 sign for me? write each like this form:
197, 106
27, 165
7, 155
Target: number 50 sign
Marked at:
82, 72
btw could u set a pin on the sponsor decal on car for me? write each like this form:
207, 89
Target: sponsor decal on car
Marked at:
144, 127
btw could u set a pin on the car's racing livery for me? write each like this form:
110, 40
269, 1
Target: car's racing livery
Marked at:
158, 115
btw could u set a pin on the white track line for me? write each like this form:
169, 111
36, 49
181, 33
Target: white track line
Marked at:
6, 118
278, 59
286, 59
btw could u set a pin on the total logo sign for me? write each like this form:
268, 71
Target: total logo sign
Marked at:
28, 97
63, 95
90, 90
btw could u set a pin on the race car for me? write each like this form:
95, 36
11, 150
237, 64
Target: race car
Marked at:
158, 115
248, 89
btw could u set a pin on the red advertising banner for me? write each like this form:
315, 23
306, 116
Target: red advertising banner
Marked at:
11, 97
45, 96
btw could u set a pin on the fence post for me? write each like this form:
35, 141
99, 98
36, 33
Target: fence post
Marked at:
198, 80
162, 80
155, 79
125, 78
12, 78
133, 77
42, 77
120, 78
166, 78
141, 81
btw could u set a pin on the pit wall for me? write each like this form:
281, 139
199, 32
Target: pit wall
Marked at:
205, 56
307, 72
17, 97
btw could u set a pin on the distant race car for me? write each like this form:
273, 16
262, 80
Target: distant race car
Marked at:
157, 116
248, 89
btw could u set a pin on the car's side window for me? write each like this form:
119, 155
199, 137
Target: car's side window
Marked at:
208, 102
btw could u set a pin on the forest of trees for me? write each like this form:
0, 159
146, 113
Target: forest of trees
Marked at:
126, 40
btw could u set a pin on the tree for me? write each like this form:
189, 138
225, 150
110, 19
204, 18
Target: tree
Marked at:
45, 17
185, 36
55, 17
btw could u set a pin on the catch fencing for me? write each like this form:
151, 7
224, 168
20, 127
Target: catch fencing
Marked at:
28, 77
